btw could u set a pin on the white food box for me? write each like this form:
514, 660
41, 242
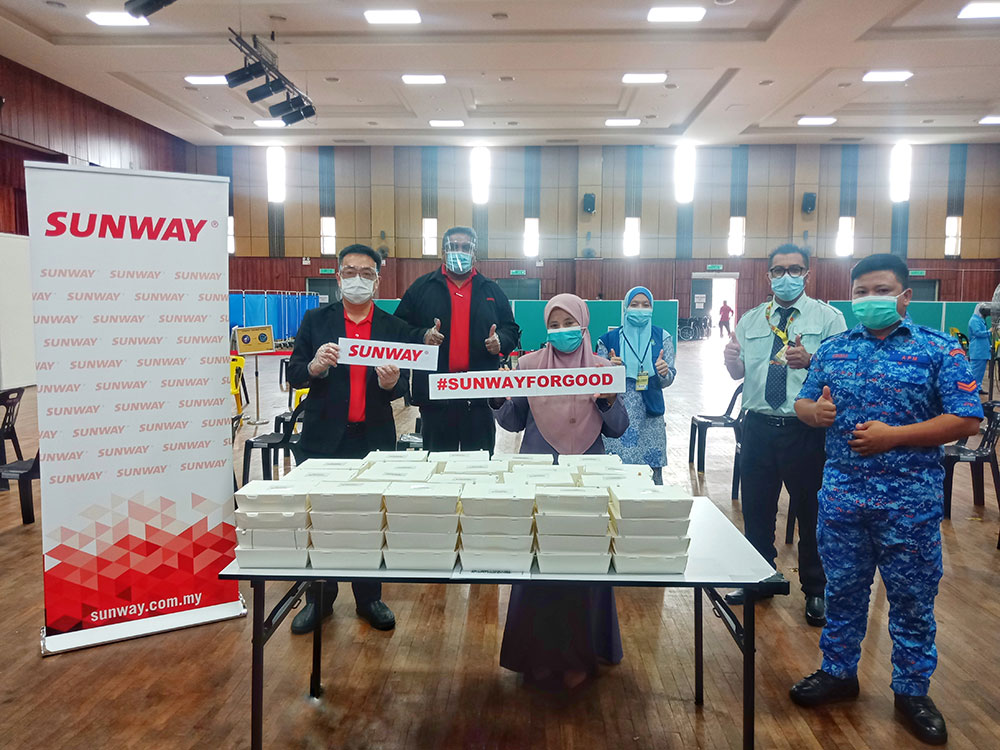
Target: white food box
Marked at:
272, 558
531, 459
343, 540
572, 562
262, 495
574, 543
407, 456
397, 471
589, 500
566, 523
333, 463
614, 478
591, 459
663, 564
414, 559
466, 479
650, 503
506, 525
420, 540
246, 519
346, 559
496, 562
472, 468
497, 542
422, 497
430, 523
348, 521
653, 526
446, 456
361, 497
497, 500
616, 471
652, 545
272, 538
540, 476
304, 475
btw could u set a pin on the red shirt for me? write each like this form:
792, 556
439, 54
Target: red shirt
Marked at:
359, 373
724, 312
461, 305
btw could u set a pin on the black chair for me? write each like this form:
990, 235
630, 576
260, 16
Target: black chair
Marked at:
738, 431
271, 445
702, 422
10, 400
984, 453
23, 472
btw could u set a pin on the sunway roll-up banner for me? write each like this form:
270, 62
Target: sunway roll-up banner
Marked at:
131, 313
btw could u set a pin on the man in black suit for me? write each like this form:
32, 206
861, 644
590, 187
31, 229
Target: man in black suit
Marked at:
349, 409
469, 316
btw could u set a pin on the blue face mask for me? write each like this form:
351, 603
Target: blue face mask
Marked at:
639, 316
458, 262
876, 313
566, 340
788, 288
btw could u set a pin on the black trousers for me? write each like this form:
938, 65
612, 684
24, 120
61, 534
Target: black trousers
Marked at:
353, 445
723, 324
793, 454
459, 425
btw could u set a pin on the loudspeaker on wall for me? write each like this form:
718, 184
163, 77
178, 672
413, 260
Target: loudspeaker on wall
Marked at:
589, 203
808, 203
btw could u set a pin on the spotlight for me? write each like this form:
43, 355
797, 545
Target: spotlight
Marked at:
245, 74
286, 107
298, 115
266, 89
143, 8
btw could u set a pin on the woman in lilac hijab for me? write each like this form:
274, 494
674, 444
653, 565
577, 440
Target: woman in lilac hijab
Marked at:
555, 631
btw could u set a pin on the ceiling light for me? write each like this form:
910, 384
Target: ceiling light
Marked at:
435, 79
266, 89
245, 74
900, 168
765, 82
684, 172
206, 80
283, 108
676, 14
644, 78
268, 123
980, 10
115, 18
392, 16
817, 120
622, 122
447, 123
990, 120
887, 76
298, 115
145, 7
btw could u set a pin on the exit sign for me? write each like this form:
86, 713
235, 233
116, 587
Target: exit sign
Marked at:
918, 272
518, 272
327, 271
713, 267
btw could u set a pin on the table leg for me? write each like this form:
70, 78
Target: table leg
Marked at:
749, 669
699, 675
257, 669
315, 687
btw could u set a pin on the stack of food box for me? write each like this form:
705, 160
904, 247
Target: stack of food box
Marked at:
272, 524
652, 528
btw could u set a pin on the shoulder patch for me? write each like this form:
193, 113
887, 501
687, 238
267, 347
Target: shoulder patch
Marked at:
957, 352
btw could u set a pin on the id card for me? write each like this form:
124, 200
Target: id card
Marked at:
641, 380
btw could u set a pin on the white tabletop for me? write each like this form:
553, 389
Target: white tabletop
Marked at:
719, 555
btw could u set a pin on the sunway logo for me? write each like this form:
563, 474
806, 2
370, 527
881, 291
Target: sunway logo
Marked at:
108, 226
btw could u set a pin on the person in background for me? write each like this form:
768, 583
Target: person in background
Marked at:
771, 350
562, 631
647, 351
980, 344
470, 318
348, 411
890, 393
725, 313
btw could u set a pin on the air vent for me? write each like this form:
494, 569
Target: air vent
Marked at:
562, 140
846, 140
348, 141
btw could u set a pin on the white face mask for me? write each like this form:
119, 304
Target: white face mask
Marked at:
357, 290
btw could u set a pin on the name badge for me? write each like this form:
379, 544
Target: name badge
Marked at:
641, 380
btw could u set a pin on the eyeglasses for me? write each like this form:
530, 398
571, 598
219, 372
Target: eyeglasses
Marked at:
367, 273
466, 247
794, 271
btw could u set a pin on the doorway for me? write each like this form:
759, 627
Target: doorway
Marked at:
326, 287
724, 293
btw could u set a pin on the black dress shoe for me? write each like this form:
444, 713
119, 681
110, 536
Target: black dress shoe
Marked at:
816, 611
820, 688
739, 597
377, 615
306, 620
922, 718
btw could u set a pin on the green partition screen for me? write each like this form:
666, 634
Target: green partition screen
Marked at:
958, 314
941, 316
388, 305
604, 314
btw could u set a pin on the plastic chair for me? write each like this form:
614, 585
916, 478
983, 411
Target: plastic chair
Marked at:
23, 472
984, 453
236, 381
294, 395
271, 445
700, 425
10, 400
738, 431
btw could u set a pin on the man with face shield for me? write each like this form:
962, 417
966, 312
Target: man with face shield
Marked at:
470, 318
771, 350
348, 411
890, 393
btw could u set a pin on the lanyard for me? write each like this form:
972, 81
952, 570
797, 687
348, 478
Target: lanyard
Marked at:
643, 357
783, 335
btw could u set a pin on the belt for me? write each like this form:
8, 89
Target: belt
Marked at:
774, 421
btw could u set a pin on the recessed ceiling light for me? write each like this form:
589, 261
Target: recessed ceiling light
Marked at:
644, 78
392, 16
447, 123
765, 82
843, 85
817, 120
191, 88
622, 122
500, 16
332, 79
990, 120
676, 14
435, 79
980, 10
887, 76
206, 80
670, 86
512, 122
506, 79
269, 123
115, 18
927, 122
724, 2
372, 123
55, 3
239, 117
277, 18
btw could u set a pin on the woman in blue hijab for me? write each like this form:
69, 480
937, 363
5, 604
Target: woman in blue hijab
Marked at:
647, 352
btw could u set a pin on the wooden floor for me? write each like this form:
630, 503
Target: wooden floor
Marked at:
435, 683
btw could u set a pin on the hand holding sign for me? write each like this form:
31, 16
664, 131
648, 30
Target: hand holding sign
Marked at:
662, 368
615, 359
326, 357
796, 355
388, 376
493, 341
434, 337
825, 411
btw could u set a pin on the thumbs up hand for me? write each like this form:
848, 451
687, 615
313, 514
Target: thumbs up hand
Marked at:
434, 337
493, 341
796, 355
662, 368
732, 350
615, 359
824, 411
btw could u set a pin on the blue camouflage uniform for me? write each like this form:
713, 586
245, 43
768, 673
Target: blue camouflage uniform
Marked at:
885, 510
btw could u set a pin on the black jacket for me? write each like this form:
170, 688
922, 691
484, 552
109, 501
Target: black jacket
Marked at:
428, 297
326, 407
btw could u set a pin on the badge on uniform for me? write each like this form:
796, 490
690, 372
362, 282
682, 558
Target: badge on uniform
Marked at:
641, 380
779, 356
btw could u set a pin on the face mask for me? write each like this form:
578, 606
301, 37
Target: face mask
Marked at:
788, 288
876, 313
357, 290
566, 339
458, 262
639, 316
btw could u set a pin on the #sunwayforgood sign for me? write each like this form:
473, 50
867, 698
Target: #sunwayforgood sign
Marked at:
502, 383
131, 321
